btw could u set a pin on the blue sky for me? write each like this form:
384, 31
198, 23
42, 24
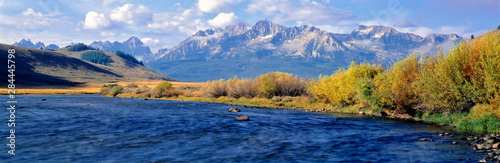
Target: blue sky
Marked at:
163, 24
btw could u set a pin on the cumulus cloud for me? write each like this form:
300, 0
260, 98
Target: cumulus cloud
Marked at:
132, 15
188, 22
150, 41
216, 6
305, 11
224, 19
94, 20
31, 13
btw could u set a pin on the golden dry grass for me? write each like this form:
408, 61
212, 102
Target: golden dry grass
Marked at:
89, 88
155, 83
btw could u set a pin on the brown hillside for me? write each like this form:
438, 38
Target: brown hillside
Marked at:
35, 67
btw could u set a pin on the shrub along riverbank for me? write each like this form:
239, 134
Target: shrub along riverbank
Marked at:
460, 89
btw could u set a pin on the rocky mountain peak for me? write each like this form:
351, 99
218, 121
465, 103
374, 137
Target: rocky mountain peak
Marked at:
238, 29
207, 32
439, 38
133, 46
374, 31
28, 44
134, 41
266, 27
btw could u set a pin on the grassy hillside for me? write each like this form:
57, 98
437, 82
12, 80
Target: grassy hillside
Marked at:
35, 67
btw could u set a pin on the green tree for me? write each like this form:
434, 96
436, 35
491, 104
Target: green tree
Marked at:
80, 47
96, 57
471, 37
128, 57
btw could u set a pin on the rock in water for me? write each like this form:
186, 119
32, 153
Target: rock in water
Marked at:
234, 110
425, 139
44, 99
242, 118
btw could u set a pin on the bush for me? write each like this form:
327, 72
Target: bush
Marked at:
111, 89
365, 89
395, 89
241, 88
193, 94
339, 88
115, 90
171, 92
144, 86
96, 57
287, 99
215, 88
79, 47
164, 85
132, 85
164, 89
280, 84
267, 85
276, 99
469, 74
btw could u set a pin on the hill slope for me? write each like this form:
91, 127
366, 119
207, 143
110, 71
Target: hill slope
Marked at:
35, 67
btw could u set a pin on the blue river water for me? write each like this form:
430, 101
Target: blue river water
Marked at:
90, 128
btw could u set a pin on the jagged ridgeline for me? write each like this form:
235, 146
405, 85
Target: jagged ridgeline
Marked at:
306, 51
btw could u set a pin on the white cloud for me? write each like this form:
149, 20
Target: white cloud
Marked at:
31, 13
150, 41
94, 20
306, 11
216, 6
224, 19
131, 14
187, 22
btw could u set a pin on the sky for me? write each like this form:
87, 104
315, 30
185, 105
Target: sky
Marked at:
165, 23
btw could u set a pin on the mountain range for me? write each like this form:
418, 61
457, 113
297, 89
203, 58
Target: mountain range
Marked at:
38, 45
133, 46
303, 50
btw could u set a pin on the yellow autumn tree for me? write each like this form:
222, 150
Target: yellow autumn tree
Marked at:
394, 88
339, 88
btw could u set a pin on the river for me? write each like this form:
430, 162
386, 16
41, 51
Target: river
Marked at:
91, 128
